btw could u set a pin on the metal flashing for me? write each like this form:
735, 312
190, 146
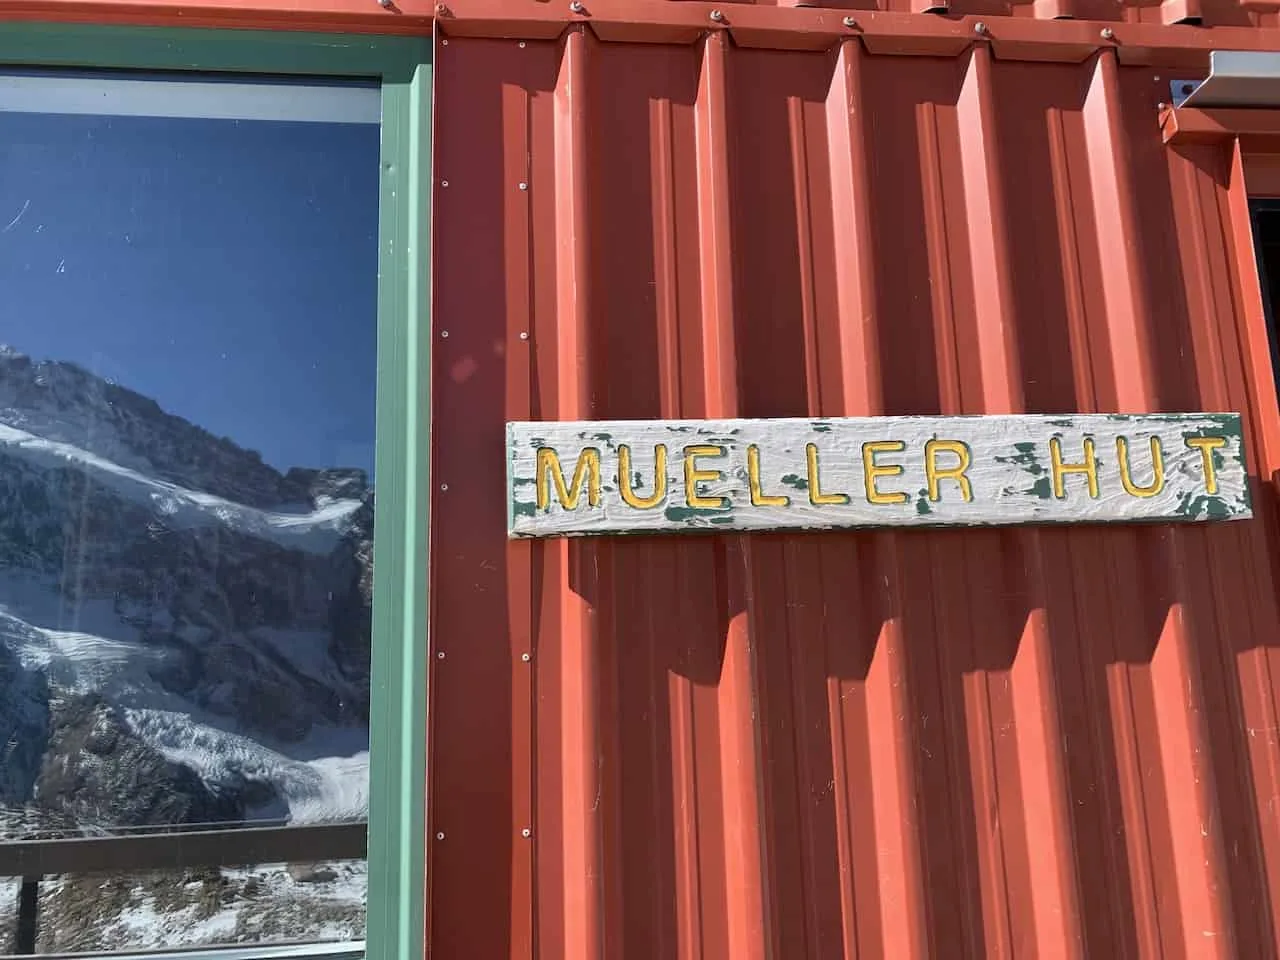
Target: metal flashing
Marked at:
1237, 78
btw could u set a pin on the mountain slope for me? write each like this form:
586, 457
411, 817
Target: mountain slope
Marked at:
174, 612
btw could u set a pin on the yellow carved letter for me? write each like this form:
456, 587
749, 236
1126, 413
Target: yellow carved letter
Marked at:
871, 470
1059, 469
1206, 446
816, 496
659, 478
693, 476
1126, 474
588, 468
758, 497
933, 473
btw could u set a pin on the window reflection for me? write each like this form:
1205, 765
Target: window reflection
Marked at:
186, 488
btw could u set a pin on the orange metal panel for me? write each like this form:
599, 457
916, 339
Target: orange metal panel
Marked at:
890, 744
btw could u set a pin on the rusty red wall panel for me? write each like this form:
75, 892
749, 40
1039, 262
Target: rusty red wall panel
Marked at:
888, 744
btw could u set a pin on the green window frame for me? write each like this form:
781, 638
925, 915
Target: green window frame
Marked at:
396, 905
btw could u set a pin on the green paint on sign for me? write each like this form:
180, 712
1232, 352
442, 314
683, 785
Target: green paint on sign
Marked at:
1027, 458
686, 514
797, 483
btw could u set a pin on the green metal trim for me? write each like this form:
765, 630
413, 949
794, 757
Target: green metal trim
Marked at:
396, 905
226, 51
396, 921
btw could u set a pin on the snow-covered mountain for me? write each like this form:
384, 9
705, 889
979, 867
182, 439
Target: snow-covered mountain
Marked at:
184, 629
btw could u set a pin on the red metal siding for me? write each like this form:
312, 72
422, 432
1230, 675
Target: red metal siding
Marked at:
893, 744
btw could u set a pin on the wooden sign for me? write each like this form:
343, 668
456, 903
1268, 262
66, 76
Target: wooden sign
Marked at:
569, 479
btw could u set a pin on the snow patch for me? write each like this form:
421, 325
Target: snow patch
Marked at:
331, 785
318, 531
322, 778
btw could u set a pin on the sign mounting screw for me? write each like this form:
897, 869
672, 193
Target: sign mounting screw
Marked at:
717, 16
850, 22
526, 833
1108, 33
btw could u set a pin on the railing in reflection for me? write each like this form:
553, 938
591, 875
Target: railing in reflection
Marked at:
175, 848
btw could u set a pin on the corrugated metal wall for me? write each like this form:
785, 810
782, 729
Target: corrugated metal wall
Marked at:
1010, 743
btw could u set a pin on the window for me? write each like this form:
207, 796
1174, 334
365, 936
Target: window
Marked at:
208, 406
1266, 238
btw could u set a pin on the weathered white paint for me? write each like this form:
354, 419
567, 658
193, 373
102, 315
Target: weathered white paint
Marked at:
1012, 475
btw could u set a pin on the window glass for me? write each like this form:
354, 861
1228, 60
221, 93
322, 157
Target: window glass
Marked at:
188, 272
1266, 238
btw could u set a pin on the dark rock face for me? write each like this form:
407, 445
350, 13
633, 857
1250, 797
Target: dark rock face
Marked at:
97, 771
24, 728
255, 633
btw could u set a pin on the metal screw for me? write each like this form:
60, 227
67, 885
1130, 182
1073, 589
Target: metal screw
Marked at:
444, 334
523, 185
1161, 105
717, 16
980, 28
576, 7
444, 487
440, 655
525, 657
850, 22
521, 44
1108, 33
524, 334
444, 42
526, 832
440, 835
444, 183
385, 4
441, 10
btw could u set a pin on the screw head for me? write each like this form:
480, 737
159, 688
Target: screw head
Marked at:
717, 16
525, 657
524, 334
440, 835
440, 655
444, 487
850, 22
444, 334
980, 28
444, 183
522, 44
526, 832
385, 4
1108, 33
576, 7
523, 185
